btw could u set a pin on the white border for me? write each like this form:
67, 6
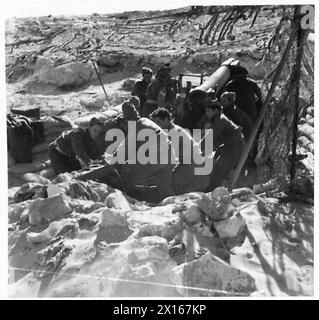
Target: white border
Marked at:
22, 8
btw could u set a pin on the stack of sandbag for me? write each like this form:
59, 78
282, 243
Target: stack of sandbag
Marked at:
84, 120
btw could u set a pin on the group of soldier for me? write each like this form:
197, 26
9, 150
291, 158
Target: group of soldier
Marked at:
230, 114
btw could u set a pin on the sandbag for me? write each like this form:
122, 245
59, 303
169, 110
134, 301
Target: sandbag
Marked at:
54, 124
34, 177
84, 120
48, 173
113, 112
55, 121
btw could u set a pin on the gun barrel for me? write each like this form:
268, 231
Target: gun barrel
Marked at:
219, 78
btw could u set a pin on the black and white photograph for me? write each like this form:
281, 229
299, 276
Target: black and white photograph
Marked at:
158, 150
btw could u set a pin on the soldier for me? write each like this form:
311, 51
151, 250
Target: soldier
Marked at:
161, 92
143, 181
140, 86
248, 94
184, 178
228, 144
77, 148
233, 113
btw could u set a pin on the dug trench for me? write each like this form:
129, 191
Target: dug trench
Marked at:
69, 238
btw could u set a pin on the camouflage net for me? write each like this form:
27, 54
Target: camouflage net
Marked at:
288, 122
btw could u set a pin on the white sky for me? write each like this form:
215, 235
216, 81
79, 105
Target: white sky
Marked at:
28, 8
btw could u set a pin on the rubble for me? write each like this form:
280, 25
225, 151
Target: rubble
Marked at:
211, 273
118, 201
30, 190
231, 227
44, 211
55, 229
67, 76
217, 204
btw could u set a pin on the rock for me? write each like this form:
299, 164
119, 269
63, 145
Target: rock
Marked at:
193, 214
113, 217
84, 206
15, 210
67, 76
30, 190
118, 201
54, 190
55, 229
148, 265
203, 230
88, 221
11, 192
230, 227
206, 204
167, 231
212, 273
221, 194
94, 102
102, 189
82, 190
217, 204
113, 228
46, 210
124, 269
182, 198
177, 251
158, 221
